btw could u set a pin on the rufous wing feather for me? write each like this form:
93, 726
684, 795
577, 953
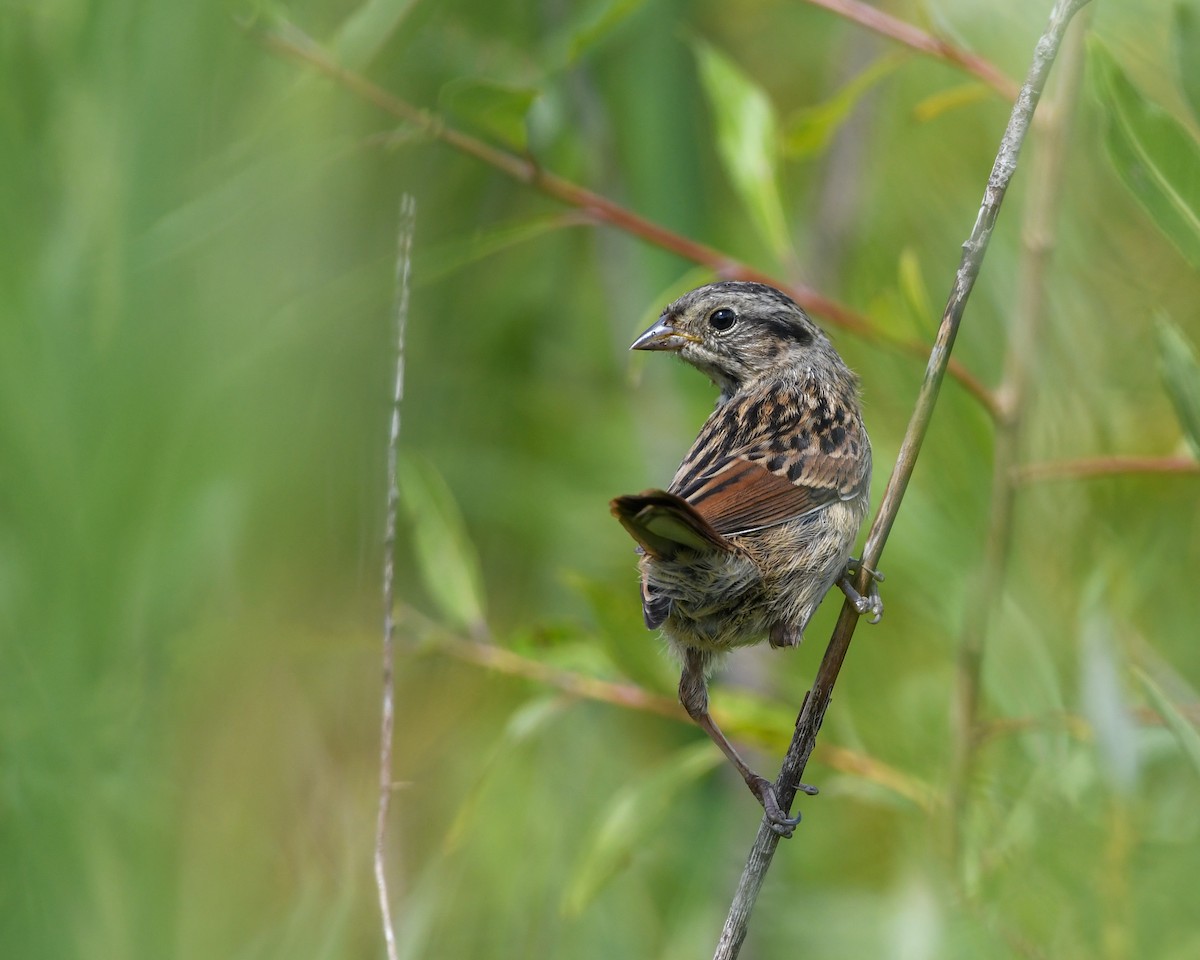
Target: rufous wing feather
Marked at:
762, 482
746, 496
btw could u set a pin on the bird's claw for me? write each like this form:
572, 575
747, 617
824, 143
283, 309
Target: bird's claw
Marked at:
780, 822
872, 603
854, 565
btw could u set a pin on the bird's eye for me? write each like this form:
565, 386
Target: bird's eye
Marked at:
722, 319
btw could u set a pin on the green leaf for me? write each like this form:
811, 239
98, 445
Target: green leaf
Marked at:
364, 33
1104, 702
1181, 376
452, 256
490, 107
634, 812
446, 558
748, 716
526, 722
587, 29
1154, 155
1184, 730
952, 98
1022, 679
747, 142
809, 131
916, 294
636, 652
1187, 42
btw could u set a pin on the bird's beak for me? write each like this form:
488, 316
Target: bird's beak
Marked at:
662, 336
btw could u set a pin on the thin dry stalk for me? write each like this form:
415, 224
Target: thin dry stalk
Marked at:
915, 39
408, 213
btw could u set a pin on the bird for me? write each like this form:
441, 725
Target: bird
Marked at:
760, 519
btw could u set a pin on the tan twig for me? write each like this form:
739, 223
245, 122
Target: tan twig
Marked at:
914, 38
632, 697
816, 702
291, 42
408, 211
1098, 467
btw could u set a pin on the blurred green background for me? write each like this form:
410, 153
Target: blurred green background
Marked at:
196, 356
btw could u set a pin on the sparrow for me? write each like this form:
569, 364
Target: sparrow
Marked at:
760, 518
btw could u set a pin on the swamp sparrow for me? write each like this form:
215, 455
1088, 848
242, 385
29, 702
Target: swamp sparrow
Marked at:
760, 518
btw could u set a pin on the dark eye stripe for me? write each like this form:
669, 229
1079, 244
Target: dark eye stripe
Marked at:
786, 330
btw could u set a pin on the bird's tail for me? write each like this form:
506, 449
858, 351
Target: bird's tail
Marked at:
665, 524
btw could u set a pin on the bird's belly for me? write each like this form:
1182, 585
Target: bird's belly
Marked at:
779, 576
718, 601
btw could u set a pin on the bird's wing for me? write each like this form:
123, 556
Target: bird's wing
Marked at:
663, 524
761, 464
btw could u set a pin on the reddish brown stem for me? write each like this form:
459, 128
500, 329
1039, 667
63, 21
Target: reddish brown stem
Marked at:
291, 42
915, 39
1119, 466
631, 697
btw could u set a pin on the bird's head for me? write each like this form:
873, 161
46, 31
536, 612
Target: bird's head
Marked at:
735, 331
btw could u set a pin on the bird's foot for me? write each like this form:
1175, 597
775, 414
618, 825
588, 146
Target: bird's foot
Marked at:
872, 603
780, 822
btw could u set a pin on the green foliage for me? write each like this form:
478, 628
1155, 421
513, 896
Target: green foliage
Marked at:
1186, 40
1181, 376
589, 26
747, 142
446, 558
492, 108
367, 31
1157, 158
808, 132
196, 361
1183, 728
633, 812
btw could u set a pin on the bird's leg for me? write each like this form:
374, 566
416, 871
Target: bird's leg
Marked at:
872, 603
785, 635
693, 694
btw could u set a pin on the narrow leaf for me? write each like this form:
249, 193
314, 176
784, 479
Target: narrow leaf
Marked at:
1187, 42
747, 142
634, 812
637, 652
1023, 679
528, 721
1154, 155
1184, 730
587, 29
452, 256
446, 558
492, 108
1181, 376
809, 131
916, 294
952, 98
1104, 702
364, 33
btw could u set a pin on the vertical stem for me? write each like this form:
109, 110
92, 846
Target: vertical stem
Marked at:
1046, 177
817, 701
1116, 941
408, 212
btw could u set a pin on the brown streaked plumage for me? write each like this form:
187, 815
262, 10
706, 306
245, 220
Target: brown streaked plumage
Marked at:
761, 516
